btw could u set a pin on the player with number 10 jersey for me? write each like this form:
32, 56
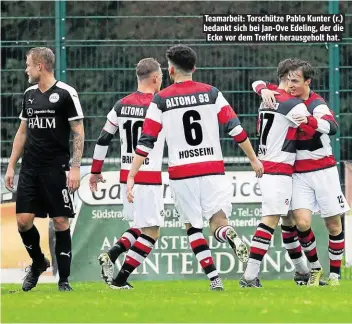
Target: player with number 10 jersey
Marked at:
127, 116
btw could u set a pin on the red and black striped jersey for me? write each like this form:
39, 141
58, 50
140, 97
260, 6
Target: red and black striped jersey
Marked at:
127, 116
189, 113
278, 133
314, 151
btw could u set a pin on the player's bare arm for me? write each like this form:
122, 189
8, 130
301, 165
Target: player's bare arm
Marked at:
268, 96
100, 151
229, 119
17, 150
73, 179
138, 161
257, 166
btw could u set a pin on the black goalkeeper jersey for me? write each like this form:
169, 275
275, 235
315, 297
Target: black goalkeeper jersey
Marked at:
48, 130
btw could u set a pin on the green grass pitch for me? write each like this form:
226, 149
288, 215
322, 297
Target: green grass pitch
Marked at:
178, 301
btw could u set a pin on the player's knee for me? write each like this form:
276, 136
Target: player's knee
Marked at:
61, 223
302, 220
153, 232
24, 222
217, 220
303, 225
334, 225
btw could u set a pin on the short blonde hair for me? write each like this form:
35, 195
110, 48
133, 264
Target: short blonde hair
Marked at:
43, 55
146, 66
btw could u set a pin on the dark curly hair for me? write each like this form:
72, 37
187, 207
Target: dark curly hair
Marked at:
182, 56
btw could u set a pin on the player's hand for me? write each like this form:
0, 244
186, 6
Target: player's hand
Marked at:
93, 181
268, 97
73, 179
258, 168
130, 185
9, 177
300, 119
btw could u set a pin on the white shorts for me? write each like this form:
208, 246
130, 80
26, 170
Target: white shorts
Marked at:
320, 188
276, 194
200, 197
147, 208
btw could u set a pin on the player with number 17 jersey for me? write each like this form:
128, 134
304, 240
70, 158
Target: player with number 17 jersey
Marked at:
277, 151
127, 116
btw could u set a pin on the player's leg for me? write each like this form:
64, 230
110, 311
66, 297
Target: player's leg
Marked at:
107, 259
128, 238
259, 247
224, 232
294, 249
336, 247
136, 256
303, 204
186, 194
63, 251
124, 243
216, 196
148, 211
60, 207
276, 196
26, 206
332, 204
52, 243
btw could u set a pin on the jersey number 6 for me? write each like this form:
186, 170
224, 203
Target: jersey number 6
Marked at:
193, 130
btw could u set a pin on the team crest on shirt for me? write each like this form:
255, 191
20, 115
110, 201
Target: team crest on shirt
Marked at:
54, 97
287, 202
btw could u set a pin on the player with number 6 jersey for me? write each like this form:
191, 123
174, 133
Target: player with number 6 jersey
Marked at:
127, 116
189, 113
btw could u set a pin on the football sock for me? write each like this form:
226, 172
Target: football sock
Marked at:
220, 233
307, 240
63, 252
293, 248
336, 249
124, 243
134, 257
31, 241
202, 252
259, 246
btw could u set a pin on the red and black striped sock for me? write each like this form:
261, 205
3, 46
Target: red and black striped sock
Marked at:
336, 249
134, 257
202, 252
294, 248
259, 246
124, 243
307, 240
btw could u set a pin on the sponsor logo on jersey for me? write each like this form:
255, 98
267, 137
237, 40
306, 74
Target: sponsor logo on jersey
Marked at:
30, 112
54, 97
41, 122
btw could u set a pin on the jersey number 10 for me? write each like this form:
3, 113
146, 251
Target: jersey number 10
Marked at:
132, 134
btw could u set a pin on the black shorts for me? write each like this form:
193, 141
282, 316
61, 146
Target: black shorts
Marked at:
44, 193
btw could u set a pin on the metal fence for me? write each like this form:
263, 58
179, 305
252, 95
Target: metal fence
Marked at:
97, 45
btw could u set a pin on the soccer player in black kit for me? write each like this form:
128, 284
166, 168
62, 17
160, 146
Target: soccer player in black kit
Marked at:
50, 111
